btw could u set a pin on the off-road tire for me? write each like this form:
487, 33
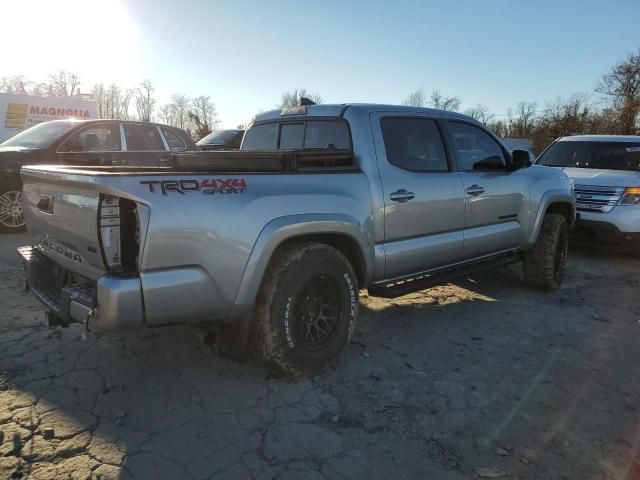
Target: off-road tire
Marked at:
285, 293
545, 263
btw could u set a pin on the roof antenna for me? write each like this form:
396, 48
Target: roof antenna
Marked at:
306, 101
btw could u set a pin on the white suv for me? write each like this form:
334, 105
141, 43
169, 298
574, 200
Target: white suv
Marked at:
606, 172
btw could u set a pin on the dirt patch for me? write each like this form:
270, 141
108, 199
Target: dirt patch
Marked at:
483, 378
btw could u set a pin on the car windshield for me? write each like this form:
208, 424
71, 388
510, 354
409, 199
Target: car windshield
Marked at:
41, 135
218, 138
602, 155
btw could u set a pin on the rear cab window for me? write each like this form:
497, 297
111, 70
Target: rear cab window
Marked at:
299, 135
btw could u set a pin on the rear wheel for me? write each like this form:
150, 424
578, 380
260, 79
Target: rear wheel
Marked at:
307, 309
11, 218
545, 263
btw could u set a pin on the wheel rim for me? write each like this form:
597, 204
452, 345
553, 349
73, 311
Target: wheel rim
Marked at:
11, 209
560, 257
316, 312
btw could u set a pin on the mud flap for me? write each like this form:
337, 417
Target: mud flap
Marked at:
234, 338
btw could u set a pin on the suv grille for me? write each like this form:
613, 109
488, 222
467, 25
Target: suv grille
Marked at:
597, 198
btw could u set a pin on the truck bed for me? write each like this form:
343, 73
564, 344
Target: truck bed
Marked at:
188, 228
234, 161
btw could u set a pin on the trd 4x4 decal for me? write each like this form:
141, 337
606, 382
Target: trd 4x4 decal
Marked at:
209, 186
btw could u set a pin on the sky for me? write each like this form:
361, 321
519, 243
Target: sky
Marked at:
244, 54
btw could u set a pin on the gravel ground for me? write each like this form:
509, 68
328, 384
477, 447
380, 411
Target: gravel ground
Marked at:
481, 379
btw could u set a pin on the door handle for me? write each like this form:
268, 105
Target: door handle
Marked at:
45, 204
402, 195
475, 190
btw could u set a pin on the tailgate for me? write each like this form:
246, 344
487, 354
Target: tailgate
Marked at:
62, 212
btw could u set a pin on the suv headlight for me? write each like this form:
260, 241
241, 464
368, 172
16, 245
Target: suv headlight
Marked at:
631, 196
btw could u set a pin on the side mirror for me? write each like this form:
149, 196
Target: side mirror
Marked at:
521, 159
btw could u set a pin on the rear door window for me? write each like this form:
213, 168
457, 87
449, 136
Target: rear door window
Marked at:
414, 144
173, 140
142, 138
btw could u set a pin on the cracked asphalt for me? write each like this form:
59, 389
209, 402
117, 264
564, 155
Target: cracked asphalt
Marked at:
479, 379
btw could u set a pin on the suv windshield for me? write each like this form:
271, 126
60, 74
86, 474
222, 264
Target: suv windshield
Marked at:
602, 155
41, 135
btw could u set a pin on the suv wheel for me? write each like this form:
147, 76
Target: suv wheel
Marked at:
11, 219
307, 309
545, 263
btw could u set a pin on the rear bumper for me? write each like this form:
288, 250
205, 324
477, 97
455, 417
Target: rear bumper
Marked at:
113, 303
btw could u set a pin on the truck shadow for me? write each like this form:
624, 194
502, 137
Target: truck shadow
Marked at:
162, 399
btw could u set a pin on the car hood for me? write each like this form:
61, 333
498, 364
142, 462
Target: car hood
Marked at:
605, 178
12, 158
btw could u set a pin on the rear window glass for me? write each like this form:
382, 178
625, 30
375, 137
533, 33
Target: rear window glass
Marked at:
173, 139
291, 136
414, 144
314, 134
327, 135
142, 138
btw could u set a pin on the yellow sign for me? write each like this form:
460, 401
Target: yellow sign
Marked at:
16, 115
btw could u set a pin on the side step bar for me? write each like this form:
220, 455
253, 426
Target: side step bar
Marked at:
403, 286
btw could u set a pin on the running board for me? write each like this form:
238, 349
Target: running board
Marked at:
403, 286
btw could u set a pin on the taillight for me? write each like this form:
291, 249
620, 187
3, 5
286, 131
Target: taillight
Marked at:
119, 233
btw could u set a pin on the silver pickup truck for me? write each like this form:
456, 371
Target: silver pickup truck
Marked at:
273, 242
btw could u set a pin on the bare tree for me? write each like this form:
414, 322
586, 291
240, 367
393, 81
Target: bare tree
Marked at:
499, 127
112, 102
145, 103
179, 111
99, 97
40, 89
417, 98
563, 116
14, 84
165, 114
292, 98
125, 103
481, 113
63, 84
438, 100
521, 121
622, 84
203, 114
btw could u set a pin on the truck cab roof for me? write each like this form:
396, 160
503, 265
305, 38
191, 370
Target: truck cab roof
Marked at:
339, 110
